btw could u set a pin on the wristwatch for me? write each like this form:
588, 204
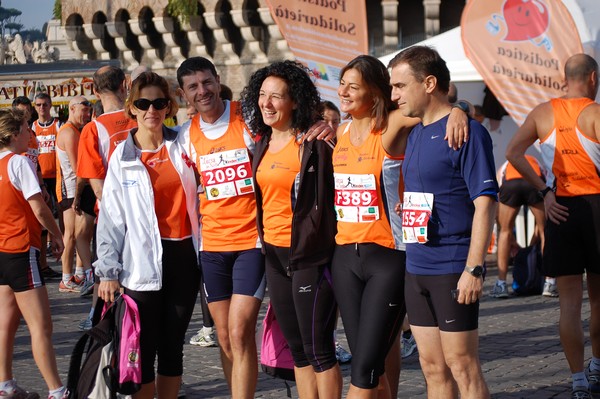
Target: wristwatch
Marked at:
475, 271
546, 191
463, 106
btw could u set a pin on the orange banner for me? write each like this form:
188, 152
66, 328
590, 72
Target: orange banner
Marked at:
324, 35
519, 47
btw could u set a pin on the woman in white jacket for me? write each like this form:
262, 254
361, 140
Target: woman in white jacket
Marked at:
148, 233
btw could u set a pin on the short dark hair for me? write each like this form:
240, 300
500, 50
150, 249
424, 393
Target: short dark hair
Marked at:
377, 78
193, 65
424, 61
301, 90
22, 100
326, 104
43, 96
108, 79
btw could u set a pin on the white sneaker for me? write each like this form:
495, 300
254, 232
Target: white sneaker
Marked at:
550, 290
16, 392
205, 338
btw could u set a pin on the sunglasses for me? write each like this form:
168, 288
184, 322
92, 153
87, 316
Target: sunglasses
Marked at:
42, 105
84, 103
144, 104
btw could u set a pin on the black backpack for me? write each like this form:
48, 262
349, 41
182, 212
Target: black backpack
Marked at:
528, 278
81, 379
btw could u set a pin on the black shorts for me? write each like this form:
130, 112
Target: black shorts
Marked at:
519, 192
65, 204
21, 271
88, 201
429, 303
573, 247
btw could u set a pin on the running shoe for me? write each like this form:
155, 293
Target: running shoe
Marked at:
342, 355
18, 393
499, 291
65, 395
205, 338
85, 324
408, 346
593, 377
50, 273
87, 287
73, 285
581, 393
550, 290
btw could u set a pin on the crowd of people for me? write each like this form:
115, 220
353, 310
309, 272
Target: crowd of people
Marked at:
387, 216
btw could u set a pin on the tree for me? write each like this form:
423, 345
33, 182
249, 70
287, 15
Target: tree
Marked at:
8, 16
13, 27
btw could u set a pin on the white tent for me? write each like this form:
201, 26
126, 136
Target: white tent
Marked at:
586, 15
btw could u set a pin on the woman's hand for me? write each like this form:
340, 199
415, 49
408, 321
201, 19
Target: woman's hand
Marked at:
107, 290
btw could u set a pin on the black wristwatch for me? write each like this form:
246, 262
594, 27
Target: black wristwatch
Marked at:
475, 271
463, 106
546, 191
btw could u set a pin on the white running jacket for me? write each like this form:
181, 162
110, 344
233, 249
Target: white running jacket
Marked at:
128, 239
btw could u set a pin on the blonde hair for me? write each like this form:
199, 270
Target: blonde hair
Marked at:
11, 120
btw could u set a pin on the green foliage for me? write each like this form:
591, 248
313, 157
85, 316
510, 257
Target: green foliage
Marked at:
13, 27
57, 10
33, 35
8, 17
182, 9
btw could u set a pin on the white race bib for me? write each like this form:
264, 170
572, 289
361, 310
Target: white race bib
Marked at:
226, 174
416, 211
356, 198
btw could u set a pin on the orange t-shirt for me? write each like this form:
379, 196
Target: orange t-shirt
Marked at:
511, 173
361, 166
169, 197
19, 228
46, 138
228, 224
571, 157
276, 176
98, 140
33, 149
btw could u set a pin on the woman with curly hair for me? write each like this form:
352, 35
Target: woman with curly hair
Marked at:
296, 222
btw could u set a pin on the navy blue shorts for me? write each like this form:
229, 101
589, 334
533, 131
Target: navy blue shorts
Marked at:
228, 273
21, 271
430, 303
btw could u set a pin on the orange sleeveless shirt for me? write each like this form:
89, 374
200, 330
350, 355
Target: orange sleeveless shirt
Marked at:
46, 137
228, 224
571, 157
366, 160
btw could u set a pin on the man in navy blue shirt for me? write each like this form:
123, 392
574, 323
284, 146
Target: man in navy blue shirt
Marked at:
449, 207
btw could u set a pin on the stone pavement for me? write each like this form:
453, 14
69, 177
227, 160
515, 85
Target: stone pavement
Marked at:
519, 347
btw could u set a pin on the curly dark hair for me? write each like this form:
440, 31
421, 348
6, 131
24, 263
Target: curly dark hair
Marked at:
301, 89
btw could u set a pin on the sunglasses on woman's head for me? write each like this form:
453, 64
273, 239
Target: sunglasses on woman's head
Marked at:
144, 104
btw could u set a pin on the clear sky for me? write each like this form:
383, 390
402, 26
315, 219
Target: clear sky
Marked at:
35, 12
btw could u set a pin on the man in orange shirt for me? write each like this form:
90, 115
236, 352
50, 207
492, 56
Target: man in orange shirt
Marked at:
569, 132
97, 142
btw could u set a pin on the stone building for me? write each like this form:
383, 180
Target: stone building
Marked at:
238, 35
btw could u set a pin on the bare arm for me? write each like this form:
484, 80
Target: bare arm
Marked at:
44, 216
68, 140
320, 131
534, 127
97, 186
470, 287
457, 129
